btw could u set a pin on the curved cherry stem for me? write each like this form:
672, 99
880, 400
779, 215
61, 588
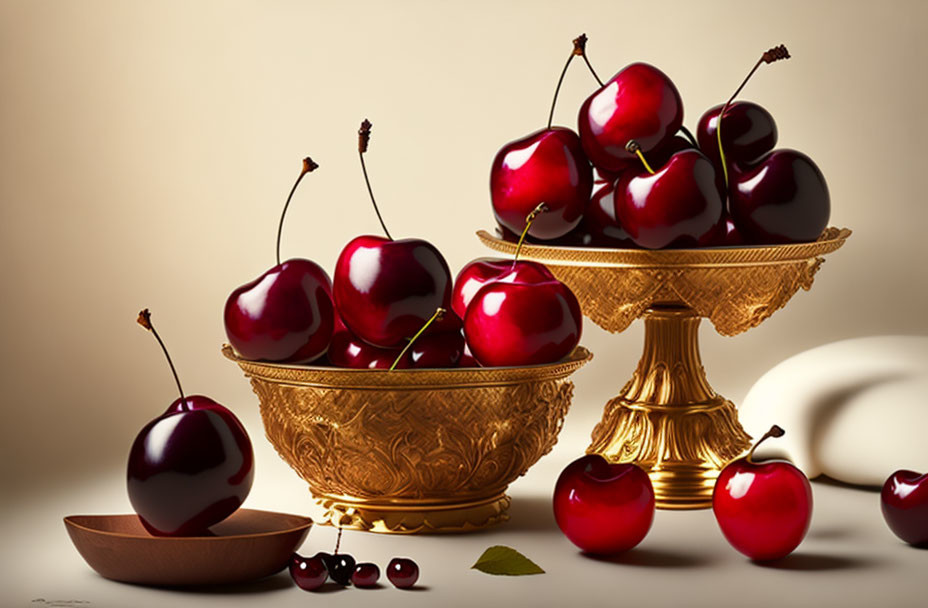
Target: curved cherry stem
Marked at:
771, 55
439, 313
364, 138
540, 208
633, 148
145, 321
688, 135
774, 431
308, 166
578, 50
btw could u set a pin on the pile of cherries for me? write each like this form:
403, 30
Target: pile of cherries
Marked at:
658, 186
763, 508
310, 573
392, 304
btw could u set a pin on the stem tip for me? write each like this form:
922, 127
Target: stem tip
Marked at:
309, 165
580, 45
775, 54
364, 136
145, 319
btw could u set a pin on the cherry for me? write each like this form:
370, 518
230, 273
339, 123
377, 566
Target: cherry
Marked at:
386, 289
308, 573
402, 572
730, 236
750, 132
639, 103
603, 508
524, 317
547, 166
192, 466
600, 220
365, 575
676, 206
286, 314
783, 198
439, 348
342, 568
763, 509
904, 502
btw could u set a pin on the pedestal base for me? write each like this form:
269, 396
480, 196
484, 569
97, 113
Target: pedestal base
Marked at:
410, 517
668, 420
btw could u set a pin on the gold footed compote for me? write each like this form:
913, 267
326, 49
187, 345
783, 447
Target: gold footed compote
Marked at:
667, 419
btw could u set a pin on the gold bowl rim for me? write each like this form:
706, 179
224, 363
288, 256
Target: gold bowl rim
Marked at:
745, 255
408, 379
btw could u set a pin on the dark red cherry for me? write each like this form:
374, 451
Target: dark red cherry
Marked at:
365, 575
285, 315
783, 198
904, 503
348, 350
600, 221
342, 568
308, 573
482, 271
748, 132
524, 318
386, 290
549, 167
678, 206
403, 572
639, 103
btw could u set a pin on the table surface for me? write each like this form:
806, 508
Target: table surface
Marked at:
849, 557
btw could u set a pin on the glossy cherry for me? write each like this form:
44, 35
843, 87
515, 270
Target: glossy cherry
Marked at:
483, 271
603, 508
547, 166
365, 575
748, 134
639, 103
730, 236
343, 566
286, 314
309, 573
600, 220
904, 502
191, 467
783, 198
386, 289
402, 572
763, 508
527, 319
431, 350
676, 206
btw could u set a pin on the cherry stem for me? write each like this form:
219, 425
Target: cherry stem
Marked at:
540, 208
774, 431
308, 166
689, 136
633, 147
364, 138
145, 321
338, 541
579, 49
769, 56
439, 312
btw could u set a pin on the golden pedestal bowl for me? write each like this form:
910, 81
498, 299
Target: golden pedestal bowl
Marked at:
667, 418
415, 450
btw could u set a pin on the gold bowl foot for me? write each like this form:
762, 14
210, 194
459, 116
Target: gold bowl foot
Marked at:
411, 517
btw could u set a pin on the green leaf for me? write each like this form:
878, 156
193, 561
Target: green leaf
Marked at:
506, 560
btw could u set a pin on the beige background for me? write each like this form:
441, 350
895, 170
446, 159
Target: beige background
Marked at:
146, 150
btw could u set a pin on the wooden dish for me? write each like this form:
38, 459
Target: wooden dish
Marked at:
248, 545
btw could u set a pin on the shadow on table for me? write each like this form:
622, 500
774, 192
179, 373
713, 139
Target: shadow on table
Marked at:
819, 562
275, 582
529, 514
653, 558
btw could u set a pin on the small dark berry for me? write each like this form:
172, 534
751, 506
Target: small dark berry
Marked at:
365, 575
402, 572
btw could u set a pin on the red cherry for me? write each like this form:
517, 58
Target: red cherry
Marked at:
763, 509
286, 314
677, 206
600, 220
904, 502
783, 198
526, 317
639, 103
467, 358
482, 271
403, 572
603, 508
191, 467
545, 167
438, 349
749, 132
309, 573
365, 575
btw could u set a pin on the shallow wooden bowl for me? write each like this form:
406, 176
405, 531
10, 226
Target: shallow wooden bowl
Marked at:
248, 545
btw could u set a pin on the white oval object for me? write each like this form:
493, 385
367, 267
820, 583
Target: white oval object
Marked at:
853, 410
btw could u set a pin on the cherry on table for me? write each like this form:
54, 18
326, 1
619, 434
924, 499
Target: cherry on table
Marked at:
309, 573
365, 574
402, 572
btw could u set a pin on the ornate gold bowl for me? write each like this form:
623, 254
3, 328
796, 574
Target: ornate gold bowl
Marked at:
667, 418
405, 451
